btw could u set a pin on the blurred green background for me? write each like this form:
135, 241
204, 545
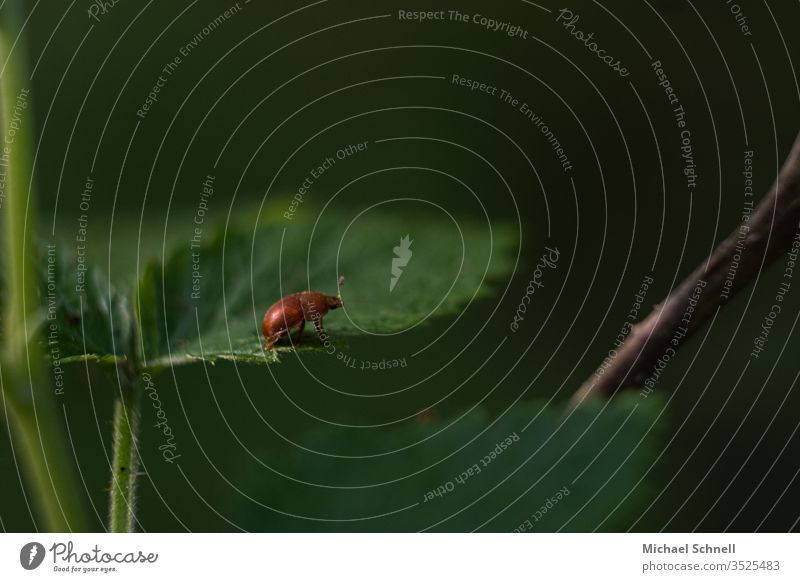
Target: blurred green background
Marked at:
272, 92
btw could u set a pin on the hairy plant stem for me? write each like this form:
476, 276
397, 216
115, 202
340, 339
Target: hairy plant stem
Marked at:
33, 414
125, 468
772, 229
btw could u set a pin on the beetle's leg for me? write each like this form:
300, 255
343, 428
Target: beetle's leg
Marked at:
299, 339
318, 325
271, 341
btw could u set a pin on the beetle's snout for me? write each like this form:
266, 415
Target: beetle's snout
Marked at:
334, 302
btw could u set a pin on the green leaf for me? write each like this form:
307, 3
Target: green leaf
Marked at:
207, 302
242, 272
80, 315
534, 468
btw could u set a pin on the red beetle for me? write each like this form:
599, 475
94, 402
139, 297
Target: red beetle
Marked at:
294, 311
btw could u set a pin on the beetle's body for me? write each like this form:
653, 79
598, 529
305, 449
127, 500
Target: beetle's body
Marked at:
294, 311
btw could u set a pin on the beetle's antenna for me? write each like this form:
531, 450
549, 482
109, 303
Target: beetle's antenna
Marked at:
339, 287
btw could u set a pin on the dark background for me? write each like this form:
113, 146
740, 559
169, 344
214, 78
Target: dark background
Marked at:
629, 215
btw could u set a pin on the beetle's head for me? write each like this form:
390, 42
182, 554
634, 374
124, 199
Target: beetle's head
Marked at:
336, 302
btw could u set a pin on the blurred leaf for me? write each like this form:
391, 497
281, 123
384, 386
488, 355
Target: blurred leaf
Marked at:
208, 301
579, 472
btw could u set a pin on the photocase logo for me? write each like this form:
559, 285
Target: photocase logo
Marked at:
31, 555
402, 256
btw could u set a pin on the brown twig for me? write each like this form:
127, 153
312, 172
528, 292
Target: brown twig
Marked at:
773, 227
